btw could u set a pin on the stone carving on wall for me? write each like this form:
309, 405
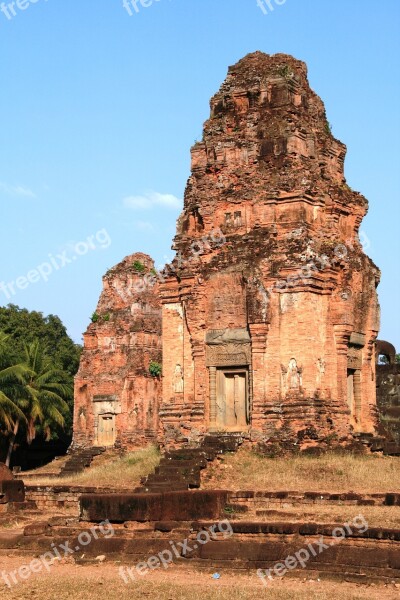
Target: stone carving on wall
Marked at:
321, 365
82, 419
321, 368
178, 379
228, 347
354, 358
292, 376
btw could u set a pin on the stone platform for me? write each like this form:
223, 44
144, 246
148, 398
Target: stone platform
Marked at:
373, 555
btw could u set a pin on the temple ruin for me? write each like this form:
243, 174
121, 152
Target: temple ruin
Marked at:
269, 309
116, 399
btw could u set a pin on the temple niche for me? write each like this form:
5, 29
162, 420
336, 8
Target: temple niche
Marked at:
273, 329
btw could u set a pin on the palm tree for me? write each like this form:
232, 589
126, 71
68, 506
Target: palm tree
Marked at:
43, 399
12, 376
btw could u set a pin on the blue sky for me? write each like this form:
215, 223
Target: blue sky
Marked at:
99, 109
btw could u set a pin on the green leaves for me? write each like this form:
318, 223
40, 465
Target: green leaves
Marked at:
37, 364
155, 369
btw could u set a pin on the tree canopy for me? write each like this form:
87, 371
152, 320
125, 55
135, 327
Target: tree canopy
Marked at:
38, 361
24, 326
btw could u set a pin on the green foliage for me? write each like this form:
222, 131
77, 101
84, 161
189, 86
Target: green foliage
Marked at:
106, 317
38, 361
398, 359
139, 267
155, 369
328, 128
12, 377
23, 327
94, 318
45, 394
284, 71
229, 509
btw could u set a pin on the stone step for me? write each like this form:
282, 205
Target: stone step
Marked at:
177, 469
392, 449
182, 483
165, 487
194, 463
165, 478
190, 454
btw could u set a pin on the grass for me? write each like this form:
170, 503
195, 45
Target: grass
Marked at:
375, 516
332, 472
111, 471
103, 583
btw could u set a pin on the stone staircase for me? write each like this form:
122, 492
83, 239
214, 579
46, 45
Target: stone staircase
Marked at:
181, 469
80, 460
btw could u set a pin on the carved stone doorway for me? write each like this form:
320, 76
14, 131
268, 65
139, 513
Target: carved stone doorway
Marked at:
232, 399
106, 430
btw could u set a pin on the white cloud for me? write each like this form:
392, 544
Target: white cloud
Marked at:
16, 190
150, 200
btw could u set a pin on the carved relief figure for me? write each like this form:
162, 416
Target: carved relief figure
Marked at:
293, 376
82, 419
178, 379
321, 368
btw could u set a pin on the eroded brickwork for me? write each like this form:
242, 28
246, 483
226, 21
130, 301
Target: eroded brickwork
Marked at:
271, 332
388, 393
269, 310
116, 397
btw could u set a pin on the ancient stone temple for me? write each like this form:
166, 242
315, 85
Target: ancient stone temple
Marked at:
269, 324
269, 310
116, 398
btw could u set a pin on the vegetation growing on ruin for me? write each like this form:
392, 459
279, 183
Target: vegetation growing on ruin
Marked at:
139, 267
155, 369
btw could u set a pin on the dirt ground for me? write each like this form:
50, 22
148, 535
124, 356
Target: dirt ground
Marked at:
69, 581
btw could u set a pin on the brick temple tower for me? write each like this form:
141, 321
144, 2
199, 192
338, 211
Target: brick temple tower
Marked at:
116, 398
270, 310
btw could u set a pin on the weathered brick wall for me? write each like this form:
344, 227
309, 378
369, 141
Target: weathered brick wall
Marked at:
270, 279
114, 381
62, 498
388, 400
291, 271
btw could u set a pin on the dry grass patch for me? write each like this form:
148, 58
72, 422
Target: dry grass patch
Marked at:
103, 583
331, 472
375, 516
111, 471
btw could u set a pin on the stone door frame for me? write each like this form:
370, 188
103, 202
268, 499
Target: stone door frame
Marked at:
105, 442
213, 375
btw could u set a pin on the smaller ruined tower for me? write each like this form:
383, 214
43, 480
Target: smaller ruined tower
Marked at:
116, 392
